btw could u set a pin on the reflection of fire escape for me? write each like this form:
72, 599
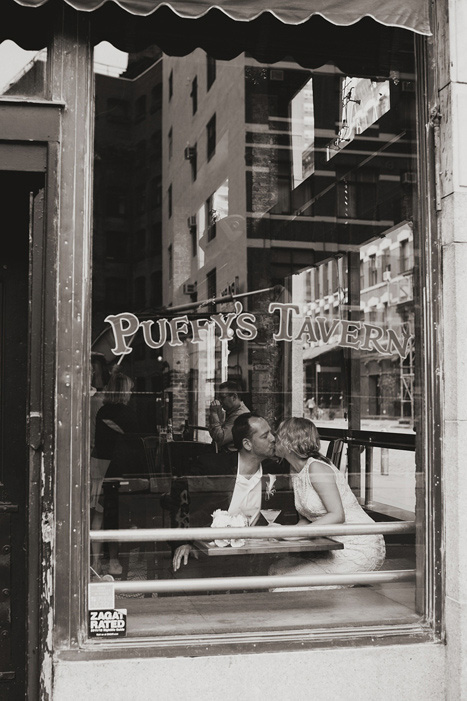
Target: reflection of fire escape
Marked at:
407, 380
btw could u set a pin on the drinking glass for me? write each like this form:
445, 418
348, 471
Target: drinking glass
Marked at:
249, 513
270, 515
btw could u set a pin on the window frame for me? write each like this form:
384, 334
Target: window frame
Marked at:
75, 637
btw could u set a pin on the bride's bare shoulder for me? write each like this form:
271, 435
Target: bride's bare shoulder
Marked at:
319, 467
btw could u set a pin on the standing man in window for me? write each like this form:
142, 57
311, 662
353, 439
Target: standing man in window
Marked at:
222, 414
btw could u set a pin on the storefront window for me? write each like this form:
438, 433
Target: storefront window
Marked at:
265, 261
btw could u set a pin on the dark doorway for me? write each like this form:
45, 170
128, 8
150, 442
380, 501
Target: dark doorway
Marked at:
374, 399
18, 193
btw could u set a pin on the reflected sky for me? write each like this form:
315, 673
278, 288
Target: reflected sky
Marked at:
13, 60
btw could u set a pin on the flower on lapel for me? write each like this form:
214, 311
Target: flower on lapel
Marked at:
270, 488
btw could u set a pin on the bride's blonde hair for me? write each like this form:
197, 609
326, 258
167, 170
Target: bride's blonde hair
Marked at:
300, 436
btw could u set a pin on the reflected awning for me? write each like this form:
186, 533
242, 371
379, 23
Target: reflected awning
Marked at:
412, 15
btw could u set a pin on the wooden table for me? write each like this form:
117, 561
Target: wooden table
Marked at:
267, 546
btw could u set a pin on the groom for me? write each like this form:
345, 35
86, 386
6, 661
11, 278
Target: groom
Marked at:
238, 481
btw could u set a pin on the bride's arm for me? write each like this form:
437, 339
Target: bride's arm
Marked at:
324, 482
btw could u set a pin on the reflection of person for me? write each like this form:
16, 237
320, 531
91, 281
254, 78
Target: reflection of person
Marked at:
245, 489
220, 426
113, 419
311, 407
99, 378
323, 496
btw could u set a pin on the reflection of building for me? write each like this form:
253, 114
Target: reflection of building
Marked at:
252, 196
31, 79
127, 271
386, 301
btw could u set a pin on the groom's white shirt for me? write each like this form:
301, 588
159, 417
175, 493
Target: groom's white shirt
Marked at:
247, 493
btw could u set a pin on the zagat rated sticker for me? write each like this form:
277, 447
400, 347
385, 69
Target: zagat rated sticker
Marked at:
108, 623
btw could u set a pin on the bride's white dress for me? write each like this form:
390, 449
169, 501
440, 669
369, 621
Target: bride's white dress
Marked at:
361, 553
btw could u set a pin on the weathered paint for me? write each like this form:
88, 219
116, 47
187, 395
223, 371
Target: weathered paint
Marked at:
354, 674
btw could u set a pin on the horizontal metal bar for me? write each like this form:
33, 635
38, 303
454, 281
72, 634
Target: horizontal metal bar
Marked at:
140, 535
231, 583
223, 299
376, 439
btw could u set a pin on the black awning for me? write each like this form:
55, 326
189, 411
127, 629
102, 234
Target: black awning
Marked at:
407, 14
358, 36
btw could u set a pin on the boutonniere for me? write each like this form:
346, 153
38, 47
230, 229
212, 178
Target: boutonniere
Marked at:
270, 488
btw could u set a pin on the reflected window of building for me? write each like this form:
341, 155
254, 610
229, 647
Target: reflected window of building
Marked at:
194, 95
156, 98
372, 270
211, 218
404, 255
194, 161
210, 71
211, 137
170, 142
171, 85
171, 262
193, 229
155, 242
156, 194
211, 284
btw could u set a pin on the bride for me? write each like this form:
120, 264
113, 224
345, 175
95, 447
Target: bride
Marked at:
322, 496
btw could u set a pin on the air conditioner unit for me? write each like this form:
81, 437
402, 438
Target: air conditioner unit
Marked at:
190, 152
189, 288
191, 221
276, 74
409, 178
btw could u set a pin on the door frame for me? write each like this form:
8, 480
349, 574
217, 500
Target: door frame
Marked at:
30, 144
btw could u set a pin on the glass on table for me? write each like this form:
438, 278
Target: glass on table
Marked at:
270, 515
249, 514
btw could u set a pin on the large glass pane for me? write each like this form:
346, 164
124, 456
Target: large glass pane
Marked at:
255, 249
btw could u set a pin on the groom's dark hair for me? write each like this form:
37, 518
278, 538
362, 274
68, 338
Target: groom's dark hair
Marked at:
242, 429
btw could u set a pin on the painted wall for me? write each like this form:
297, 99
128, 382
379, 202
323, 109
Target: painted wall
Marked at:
452, 80
355, 674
